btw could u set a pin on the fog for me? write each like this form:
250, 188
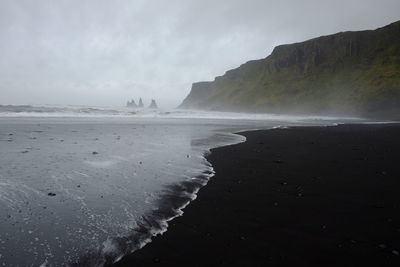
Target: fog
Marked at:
102, 53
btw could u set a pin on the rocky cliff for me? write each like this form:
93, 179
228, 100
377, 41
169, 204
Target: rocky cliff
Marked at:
348, 73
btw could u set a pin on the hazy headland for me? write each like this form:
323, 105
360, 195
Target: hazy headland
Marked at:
348, 73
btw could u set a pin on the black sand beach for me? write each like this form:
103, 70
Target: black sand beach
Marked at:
292, 197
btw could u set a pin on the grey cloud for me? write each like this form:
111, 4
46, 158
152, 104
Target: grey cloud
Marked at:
99, 52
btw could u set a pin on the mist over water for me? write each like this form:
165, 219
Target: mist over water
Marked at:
76, 188
86, 185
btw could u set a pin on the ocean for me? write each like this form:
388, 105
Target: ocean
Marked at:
83, 186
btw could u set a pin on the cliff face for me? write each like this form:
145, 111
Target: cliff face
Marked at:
355, 73
200, 94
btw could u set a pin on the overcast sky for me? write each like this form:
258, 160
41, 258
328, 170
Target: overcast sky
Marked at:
103, 52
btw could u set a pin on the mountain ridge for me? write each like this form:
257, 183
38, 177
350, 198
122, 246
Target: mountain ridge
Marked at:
347, 73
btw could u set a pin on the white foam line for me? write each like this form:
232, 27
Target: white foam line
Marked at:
81, 173
180, 211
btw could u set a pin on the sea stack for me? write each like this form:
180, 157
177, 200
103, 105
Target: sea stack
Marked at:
153, 104
140, 105
131, 104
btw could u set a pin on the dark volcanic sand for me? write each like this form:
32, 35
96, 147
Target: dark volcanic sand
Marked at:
292, 197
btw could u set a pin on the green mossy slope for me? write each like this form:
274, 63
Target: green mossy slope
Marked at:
348, 73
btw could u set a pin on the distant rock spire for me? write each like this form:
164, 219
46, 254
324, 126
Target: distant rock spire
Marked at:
140, 103
153, 104
131, 104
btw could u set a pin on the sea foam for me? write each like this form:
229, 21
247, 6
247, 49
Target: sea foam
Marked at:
62, 204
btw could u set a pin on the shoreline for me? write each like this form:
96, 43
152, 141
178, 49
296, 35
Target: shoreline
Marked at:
246, 214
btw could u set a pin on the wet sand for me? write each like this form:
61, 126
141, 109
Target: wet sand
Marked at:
308, 196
